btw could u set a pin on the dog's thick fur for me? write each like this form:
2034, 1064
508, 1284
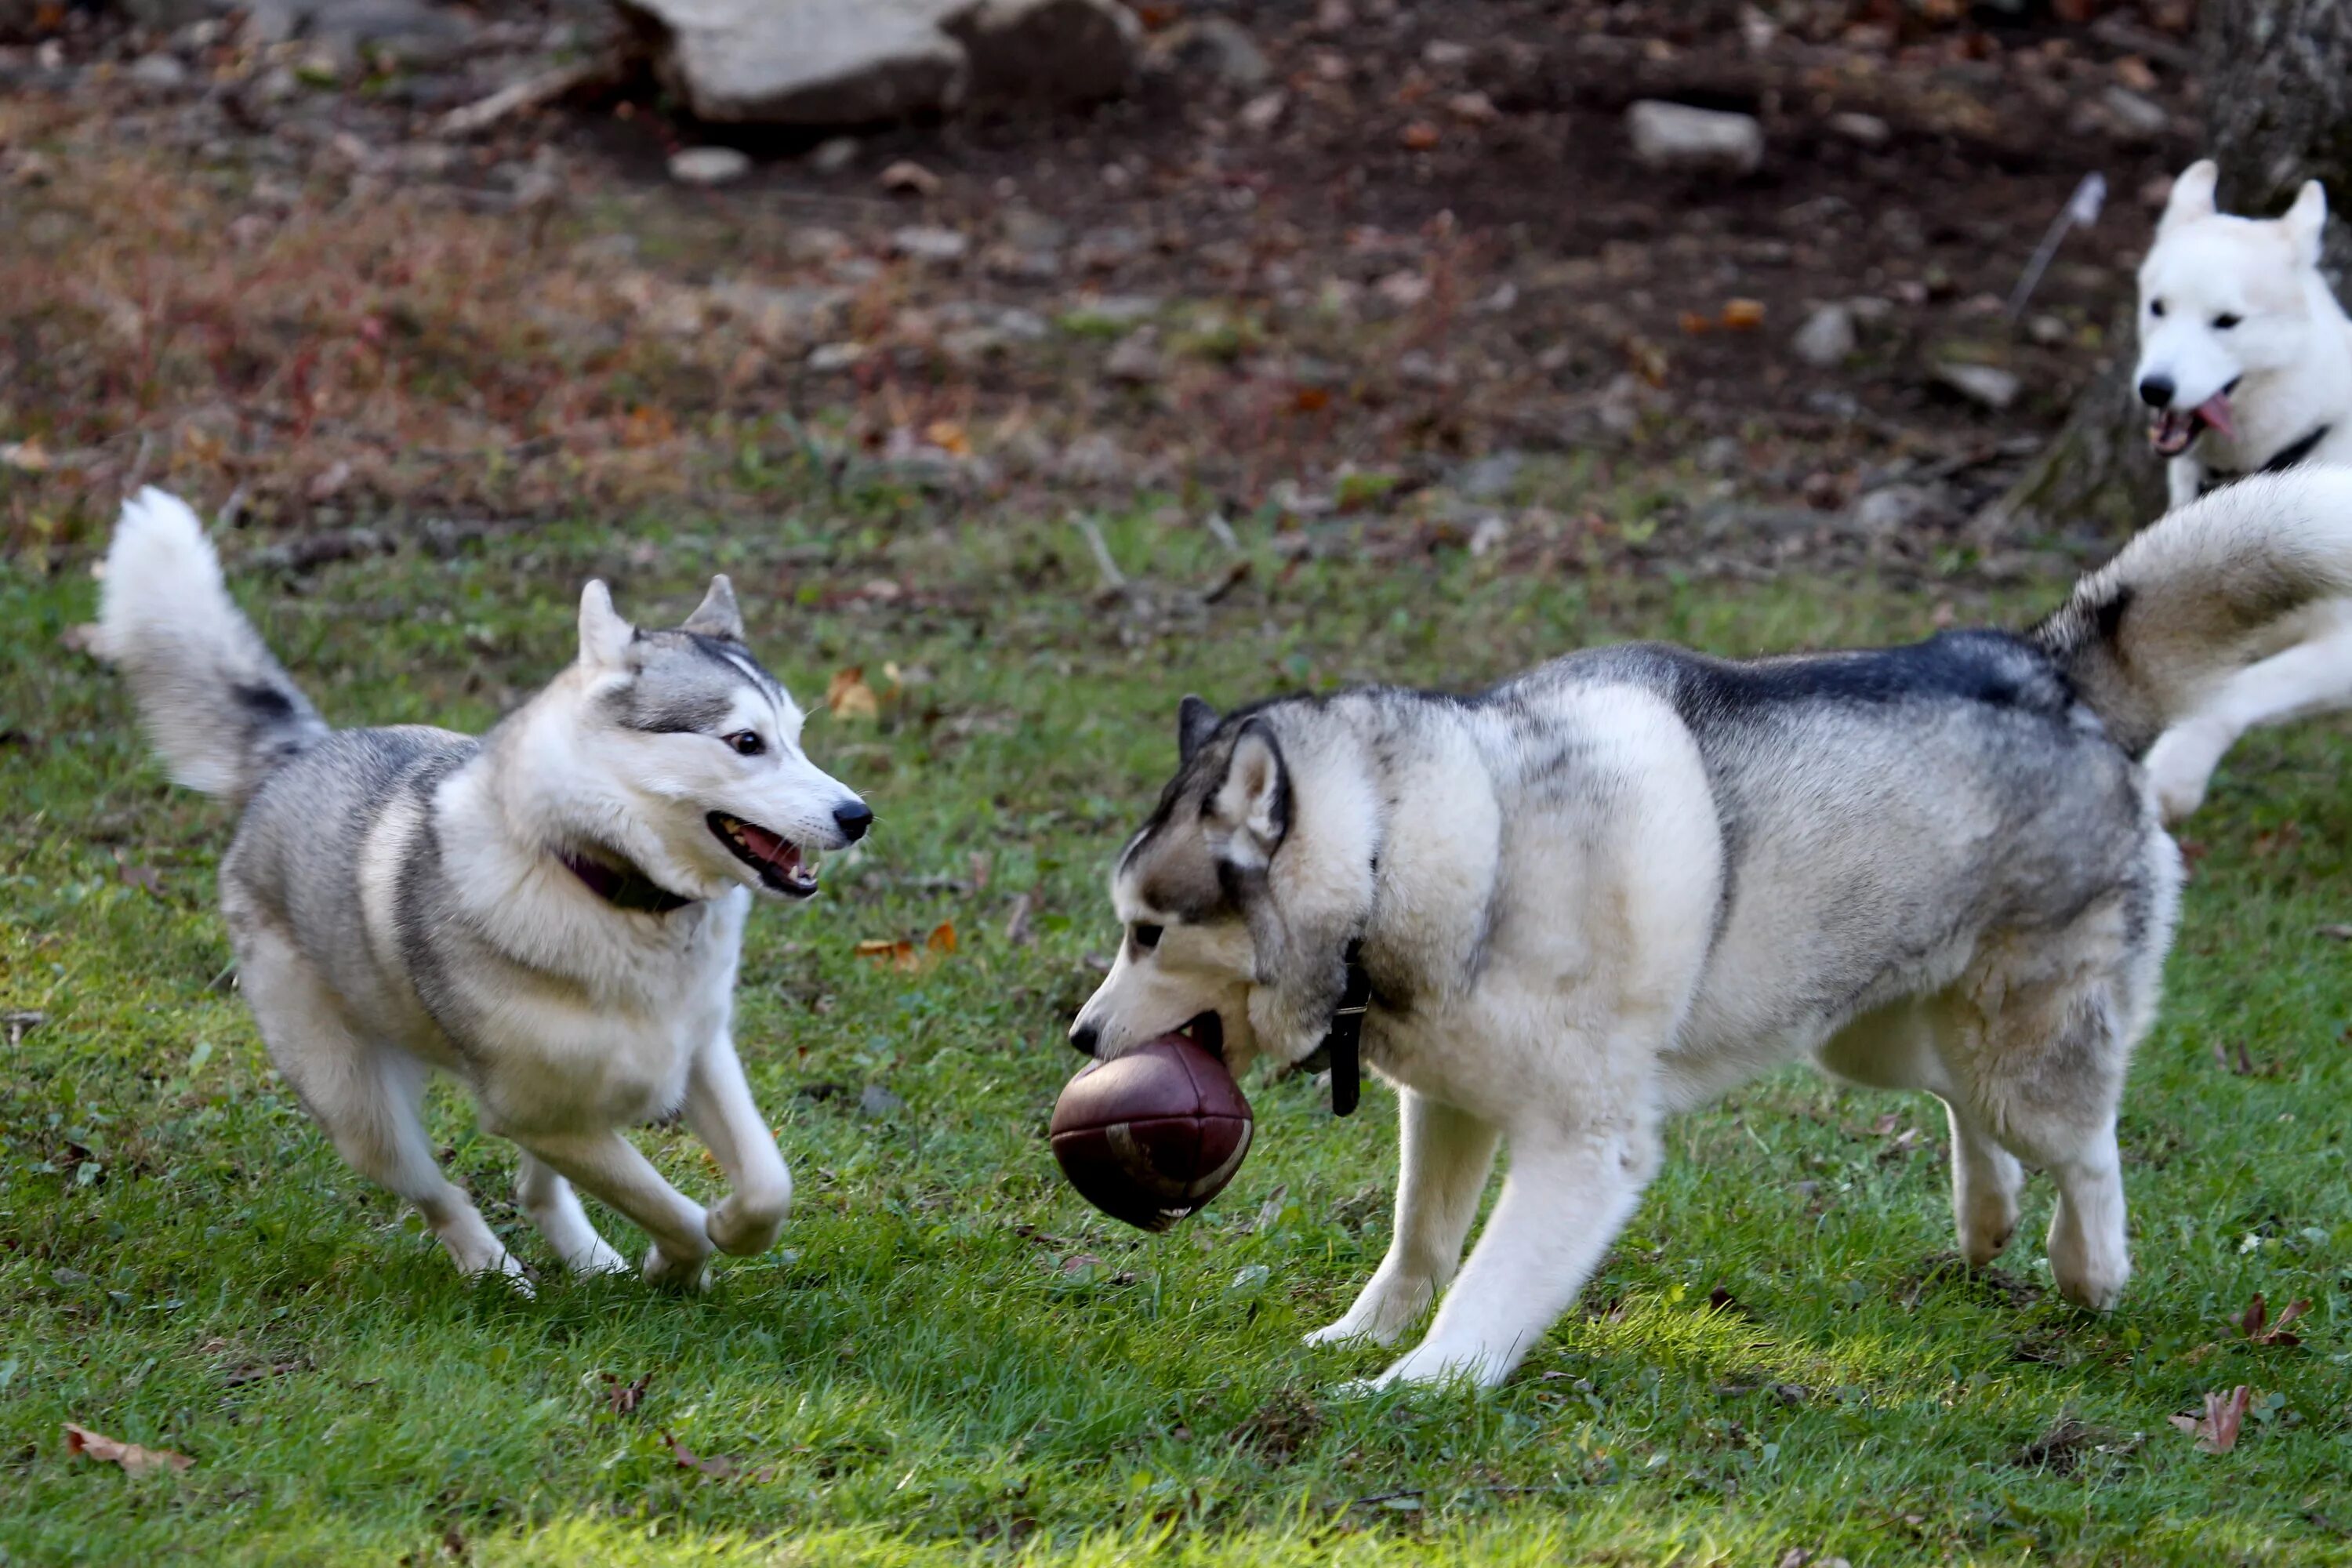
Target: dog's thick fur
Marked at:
2237, 324
1618, 885
405, 900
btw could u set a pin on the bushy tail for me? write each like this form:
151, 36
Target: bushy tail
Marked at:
2201, 594
217, 707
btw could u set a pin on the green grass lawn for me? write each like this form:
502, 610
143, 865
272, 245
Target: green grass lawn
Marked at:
950, 1357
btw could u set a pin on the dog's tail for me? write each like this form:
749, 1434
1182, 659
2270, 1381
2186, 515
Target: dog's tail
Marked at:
2201, 594
216, 705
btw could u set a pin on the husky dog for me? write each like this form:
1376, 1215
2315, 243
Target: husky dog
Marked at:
1618, 885
2246, 360
551, 912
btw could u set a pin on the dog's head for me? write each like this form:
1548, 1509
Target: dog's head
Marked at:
2220, 299
1236, 895
680, 752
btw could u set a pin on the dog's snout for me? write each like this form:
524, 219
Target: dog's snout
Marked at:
2155, 391
853, 819
1084, 1038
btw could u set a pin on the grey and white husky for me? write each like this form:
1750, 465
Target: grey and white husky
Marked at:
1618, 885
551, 912
2245, 362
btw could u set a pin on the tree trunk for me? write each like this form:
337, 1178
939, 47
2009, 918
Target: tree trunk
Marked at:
2277, 76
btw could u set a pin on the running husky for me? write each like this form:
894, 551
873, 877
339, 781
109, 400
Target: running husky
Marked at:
551, 912
2246, 359
1625, 881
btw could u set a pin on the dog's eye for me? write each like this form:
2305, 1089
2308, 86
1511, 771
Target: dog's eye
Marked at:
745, 743
1147, 937
2225, 321
2156, 306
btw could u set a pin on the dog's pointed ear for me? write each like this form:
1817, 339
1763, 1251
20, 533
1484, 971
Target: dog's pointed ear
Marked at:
1195, 722
604, 636
2192, 195
717, 615
1256, 795
2306, 221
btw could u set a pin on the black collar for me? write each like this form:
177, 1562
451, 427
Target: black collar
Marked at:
2282, 459
1342, 1047
623, 886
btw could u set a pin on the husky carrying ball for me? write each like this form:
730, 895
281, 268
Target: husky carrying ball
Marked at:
1154, 1134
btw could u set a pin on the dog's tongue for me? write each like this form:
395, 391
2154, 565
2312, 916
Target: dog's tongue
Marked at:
2215, 411
775, 851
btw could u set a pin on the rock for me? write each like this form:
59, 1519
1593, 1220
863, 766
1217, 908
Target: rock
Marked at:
407, 31
1490, 477
1679, 138
1490, 535
874, 1102
826, 358
1262, 113
1137, 359
1826, 338
1025, 228
1219, 49
855, 62
1723, 455
2136, 117
925, 242
1046, 51
909, 178
709, 165
781, 317
157, 73
1094, 460
1867, 128
159, 16
1016, 265
1896, 508
1108, 250
833, 154
1989, 385
1444, 54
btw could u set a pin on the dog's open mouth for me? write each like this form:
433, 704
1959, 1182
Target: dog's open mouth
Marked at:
782, 867
1208, 1032
2172, 430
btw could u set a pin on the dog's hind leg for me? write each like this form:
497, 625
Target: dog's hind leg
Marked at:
555, 1208
1444, 1157
720, 1110
369, 1099
610, 1167
1568, 1192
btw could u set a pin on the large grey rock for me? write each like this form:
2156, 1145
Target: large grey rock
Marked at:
1677, 137
856, 62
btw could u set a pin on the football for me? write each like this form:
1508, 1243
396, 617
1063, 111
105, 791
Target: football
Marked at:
1154, 1134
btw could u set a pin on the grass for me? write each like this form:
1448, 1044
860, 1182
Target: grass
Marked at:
951, 1358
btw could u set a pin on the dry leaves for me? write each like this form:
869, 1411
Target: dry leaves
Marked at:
623, 1398
2216, 1431
134, 1459
904, 955
2254, 1322
848, 697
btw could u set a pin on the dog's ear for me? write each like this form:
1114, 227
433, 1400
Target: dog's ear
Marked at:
1195, 722
2306, 221
604, 636
717, 615
2192, 195
1256, 795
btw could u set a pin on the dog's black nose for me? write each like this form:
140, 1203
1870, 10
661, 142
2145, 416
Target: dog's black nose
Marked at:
854, 819
2155, 391
1083, 1037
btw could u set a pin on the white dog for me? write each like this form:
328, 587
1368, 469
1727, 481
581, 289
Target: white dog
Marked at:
550, 912
2246, 358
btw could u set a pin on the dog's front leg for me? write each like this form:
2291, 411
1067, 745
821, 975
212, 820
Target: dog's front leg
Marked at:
2315, 677
1444, 1156
2183, 478
720, 1110
1566, 1194
609, 1166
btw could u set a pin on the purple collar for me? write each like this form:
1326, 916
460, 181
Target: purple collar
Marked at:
623, 886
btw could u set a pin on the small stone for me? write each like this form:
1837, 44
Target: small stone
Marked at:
833, 154
1093, 459
2049, 331
1866, 129
1981, 384
1490, 477
826, 358
1677, 137
1136, 359
1262, 113
930, 244
1473, 109
909, 178
1444, 54
1895, 508
1108, 250
1826, 338
1218, 47
709, 165
874, 1102
1489, 536
158, 73
2136, 117
1723, 455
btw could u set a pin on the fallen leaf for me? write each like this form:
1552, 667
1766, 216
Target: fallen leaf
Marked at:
2286, 835
1694, 324
942, 938
718, 1467
1310, 400
909, 178
848, 696
1420, 136
134, 1459
948, 436
27, 455
1473, 109
623, 1398
1079, 1262
135, 875
2216, 1431
2255, 1325
1743, 315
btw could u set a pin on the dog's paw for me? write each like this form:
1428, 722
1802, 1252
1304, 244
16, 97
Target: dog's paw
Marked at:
2180, 767
744, 1228
600, 1259
1382, 1314
690, 1274
1432, 1366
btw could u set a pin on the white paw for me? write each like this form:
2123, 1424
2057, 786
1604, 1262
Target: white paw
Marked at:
1381, 1315
504, 1270
690, 1273
2179, 765
1435, 1366
745, 1228
600, 1259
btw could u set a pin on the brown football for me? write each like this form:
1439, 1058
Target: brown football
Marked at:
1154, 1134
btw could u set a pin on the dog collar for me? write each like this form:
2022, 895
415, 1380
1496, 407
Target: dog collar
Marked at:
2282, 459
624, 886
1342, 1046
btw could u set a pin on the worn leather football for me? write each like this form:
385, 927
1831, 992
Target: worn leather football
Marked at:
1153, 1135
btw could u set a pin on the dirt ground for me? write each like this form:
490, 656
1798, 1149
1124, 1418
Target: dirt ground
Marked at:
1411, 280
